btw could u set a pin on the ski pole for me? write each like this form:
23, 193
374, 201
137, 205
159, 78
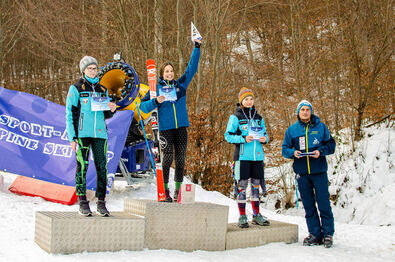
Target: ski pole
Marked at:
146, 140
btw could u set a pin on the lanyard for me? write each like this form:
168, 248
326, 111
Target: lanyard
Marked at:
252, 119
93, 86
168, 84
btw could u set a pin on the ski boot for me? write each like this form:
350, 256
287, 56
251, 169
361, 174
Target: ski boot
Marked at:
168, 197
101, 208
260, 220
311, 240
175, 197
84, 208
243, 221
328, 241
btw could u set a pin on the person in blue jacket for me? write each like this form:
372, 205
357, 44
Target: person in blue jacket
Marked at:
173, 118
246, 129
86, 128
307, 142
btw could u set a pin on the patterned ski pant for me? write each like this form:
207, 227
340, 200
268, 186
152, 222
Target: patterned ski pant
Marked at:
99, 150
242, 187
177, 138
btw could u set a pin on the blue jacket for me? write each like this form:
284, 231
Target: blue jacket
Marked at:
81, 121
307, 138
173, 114
238, 128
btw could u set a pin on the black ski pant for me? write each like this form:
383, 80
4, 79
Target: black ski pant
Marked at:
99, 150
178, 139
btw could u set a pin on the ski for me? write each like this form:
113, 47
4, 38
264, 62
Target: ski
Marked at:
151, 72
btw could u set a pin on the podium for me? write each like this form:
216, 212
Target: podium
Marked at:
154, 225
255, 235
186, 227
69, 232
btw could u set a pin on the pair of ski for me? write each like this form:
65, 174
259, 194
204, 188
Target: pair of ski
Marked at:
156, 165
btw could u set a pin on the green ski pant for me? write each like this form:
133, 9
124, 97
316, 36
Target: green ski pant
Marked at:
99, 150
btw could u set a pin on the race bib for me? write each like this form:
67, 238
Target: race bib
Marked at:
99, 103
169, 92
256, 132
302, 143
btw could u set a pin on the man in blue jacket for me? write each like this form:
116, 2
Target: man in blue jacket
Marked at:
307, 142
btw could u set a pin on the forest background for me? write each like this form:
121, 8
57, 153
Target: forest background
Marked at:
337, 54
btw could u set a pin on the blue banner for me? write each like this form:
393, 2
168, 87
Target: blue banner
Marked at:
33, 139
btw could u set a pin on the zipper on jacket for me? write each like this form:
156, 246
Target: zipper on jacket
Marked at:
307, 149
81, 120
175, 114
242, 149
94, 130
254, 150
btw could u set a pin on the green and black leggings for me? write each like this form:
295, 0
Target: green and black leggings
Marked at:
99, 150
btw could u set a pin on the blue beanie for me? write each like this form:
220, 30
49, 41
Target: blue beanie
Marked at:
304, 103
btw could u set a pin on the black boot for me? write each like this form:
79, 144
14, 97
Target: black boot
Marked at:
328, 241
168, 197
312, 241
84, 208
101, 208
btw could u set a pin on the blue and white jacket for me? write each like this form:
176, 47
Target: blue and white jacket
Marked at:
307, 137
173, 114
237, 130
81, 121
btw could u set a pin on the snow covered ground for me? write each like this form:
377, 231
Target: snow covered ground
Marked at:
364, 215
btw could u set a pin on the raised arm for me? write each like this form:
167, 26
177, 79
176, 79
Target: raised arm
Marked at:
192, 68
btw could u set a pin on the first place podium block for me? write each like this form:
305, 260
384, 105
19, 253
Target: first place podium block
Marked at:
185, 227
69, 232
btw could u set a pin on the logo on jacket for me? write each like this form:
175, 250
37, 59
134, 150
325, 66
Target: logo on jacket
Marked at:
316, 142
244, 128
85, 100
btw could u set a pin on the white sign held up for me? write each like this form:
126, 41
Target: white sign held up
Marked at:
195, 33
